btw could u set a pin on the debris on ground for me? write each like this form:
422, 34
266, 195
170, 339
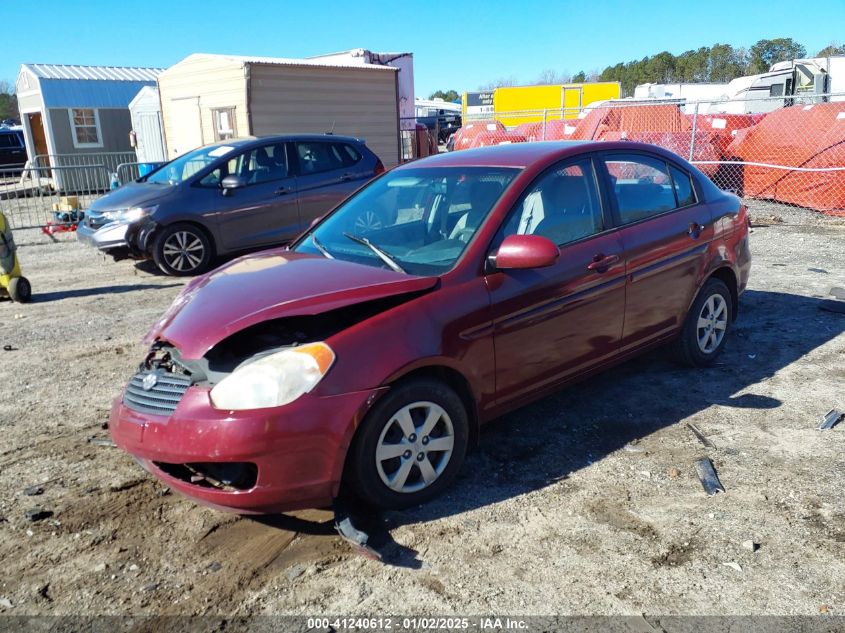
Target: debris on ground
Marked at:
818, 270
9, 348
750, 545
215, 566
38, 514
830, 419
33, 491
6, 603
673, 473
348, 532
701, 437
709, 478
295, 572
102, 441
733, 565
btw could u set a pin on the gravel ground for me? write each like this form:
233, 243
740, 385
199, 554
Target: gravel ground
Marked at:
586, 502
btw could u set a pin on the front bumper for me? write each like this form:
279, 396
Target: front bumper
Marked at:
109, 237
299, 449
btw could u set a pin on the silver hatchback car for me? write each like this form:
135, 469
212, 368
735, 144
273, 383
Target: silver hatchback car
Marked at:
229, 197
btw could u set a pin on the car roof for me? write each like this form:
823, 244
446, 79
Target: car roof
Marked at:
508, 155
280, 138
536, 154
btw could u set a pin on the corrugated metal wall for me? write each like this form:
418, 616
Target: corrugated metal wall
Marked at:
355, 102
215, 83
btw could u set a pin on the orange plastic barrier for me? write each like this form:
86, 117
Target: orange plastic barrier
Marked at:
464, 137
805, 137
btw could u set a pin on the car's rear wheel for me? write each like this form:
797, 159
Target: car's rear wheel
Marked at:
706, 325
182, 249
410, 446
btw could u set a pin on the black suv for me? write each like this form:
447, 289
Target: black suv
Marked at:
12, 151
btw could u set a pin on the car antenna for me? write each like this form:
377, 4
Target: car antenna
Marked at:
332, 130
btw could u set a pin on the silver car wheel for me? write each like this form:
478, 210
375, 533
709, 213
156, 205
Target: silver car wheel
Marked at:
415, 447
712, 323
366, 222
183, 251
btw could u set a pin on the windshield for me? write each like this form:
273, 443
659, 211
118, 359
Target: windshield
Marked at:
417, 221
180, 169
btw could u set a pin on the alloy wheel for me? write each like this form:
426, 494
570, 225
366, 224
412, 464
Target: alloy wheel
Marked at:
415, 447
712, 323
183, 251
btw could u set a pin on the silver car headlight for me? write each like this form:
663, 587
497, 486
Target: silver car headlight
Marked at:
129, 215
274, 380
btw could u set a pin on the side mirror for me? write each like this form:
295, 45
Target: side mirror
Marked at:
232, 182
526, 251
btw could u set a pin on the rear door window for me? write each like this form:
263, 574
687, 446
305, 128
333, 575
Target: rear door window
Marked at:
683, 187
317, 157
641, 186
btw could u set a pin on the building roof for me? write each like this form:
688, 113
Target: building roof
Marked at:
105, 73
289, 61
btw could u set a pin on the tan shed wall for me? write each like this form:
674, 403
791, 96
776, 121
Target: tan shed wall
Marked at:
218, 84
355, 102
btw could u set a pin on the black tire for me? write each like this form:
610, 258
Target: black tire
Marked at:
362, 472
20, 290
687, 347
182, 249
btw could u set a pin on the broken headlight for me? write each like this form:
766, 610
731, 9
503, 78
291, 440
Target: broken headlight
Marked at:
274, 380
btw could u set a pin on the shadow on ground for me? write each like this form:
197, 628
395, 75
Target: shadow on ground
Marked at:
58, 295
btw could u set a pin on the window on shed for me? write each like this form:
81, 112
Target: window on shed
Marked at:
85, 123
224, 123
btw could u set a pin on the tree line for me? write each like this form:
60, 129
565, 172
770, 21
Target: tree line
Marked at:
709, 64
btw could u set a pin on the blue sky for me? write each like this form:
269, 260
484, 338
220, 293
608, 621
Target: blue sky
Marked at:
457, 44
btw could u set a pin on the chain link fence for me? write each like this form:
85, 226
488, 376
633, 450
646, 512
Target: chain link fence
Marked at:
53, 190
770, 151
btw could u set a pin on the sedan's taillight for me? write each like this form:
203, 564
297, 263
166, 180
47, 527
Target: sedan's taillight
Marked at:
379, 168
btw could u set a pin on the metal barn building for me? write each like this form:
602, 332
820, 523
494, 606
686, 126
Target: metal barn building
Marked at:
206, 98
71, 111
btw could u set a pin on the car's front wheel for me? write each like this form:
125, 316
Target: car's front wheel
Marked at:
182, 249
410, 446
706, 325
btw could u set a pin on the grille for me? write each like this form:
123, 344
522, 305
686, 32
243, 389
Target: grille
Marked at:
95, 219
161, 398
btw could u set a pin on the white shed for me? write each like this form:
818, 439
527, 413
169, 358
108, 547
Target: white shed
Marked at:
147, 130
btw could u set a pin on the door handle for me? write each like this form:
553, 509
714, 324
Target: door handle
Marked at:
281, 191
695, 230
602, 262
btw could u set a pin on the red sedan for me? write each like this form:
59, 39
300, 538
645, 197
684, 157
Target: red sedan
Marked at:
486, 279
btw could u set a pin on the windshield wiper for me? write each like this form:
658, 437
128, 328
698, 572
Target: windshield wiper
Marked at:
320, 247
383, 255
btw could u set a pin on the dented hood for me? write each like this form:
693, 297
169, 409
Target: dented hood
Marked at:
271, 285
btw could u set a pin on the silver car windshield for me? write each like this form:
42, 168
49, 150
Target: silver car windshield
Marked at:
417, 221
182, 168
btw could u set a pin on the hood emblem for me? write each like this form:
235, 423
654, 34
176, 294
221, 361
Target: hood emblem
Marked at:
150, 381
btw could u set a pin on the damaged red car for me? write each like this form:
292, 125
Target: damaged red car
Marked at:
486, 279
